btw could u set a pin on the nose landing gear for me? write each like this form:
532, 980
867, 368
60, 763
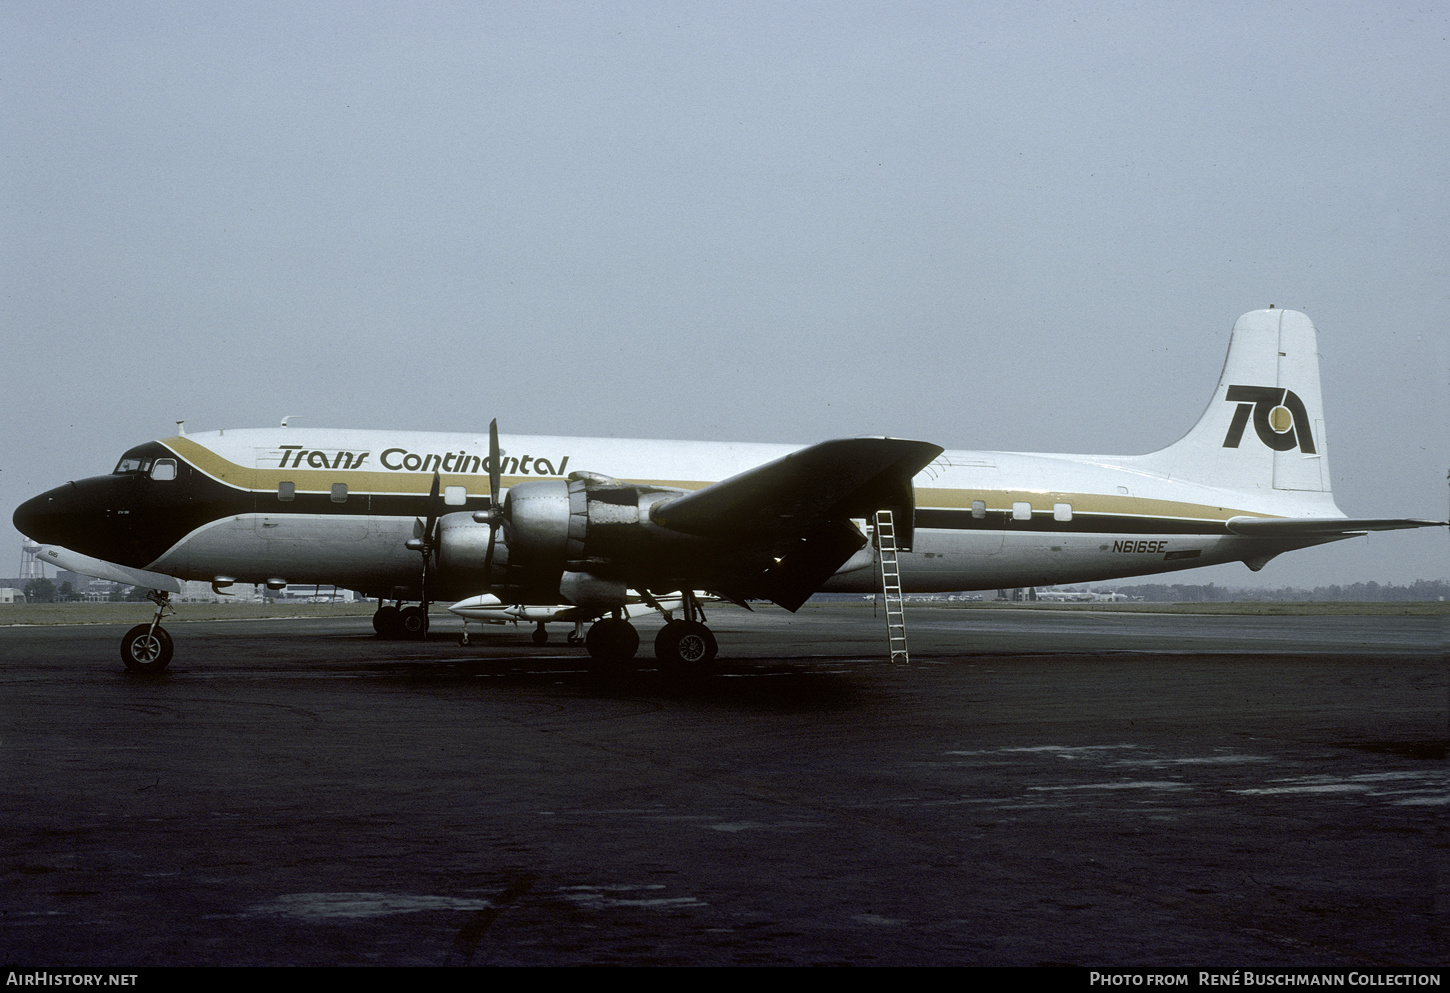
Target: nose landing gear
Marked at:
148, 647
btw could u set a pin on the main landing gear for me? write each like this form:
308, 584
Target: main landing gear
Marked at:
399, 622
687, 641
147, 647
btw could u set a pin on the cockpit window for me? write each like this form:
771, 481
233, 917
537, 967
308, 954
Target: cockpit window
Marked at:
164, 469
132, 464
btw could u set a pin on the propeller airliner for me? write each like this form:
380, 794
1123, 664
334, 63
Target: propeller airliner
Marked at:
535, 523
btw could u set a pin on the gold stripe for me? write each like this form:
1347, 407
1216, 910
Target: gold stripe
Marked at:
358, 481
928, 498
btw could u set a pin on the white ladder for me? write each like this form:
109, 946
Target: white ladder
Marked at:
891, 586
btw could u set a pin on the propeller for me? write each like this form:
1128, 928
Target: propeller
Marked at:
426, 536
493, 516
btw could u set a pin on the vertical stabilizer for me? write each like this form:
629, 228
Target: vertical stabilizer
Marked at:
1264, 428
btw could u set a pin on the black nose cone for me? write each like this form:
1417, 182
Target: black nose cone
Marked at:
78, 516
36, 517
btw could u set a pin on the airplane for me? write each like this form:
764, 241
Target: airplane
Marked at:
491, 610
416, 517
1070, 596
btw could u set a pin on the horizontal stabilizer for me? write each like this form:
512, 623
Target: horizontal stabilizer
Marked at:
1308, 527
64, 558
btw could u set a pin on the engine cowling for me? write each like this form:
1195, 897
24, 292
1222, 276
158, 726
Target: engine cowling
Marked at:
571, 541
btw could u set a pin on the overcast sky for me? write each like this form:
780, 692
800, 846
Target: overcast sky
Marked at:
992, 226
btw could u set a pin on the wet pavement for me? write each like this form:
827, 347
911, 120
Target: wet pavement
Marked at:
1037, 787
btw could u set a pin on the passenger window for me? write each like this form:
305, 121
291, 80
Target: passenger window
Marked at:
164, 469
339, 493
979, 509
455, 496
1021, 511
1062, 511
287, 492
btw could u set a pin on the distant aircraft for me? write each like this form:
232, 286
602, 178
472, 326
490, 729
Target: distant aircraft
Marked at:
1066, 596
1081, 596
413, 517
491, 610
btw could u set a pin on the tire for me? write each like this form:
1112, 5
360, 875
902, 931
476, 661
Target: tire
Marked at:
685, 643
144, 650
540, 636
414, 623
612, 641
388, 622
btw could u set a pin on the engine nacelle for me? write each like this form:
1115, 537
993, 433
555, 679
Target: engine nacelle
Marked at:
559, 541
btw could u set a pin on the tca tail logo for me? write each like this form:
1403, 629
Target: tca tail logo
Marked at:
1280, 420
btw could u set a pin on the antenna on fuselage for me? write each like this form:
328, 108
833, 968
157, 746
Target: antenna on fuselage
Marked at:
181, 428
287, 418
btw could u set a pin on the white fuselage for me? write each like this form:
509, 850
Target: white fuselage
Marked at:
984, 519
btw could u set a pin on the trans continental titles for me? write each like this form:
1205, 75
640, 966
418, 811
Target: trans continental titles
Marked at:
402, 460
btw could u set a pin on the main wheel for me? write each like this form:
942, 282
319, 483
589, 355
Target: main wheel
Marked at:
146, 650
540, 635
612, 640
388, 622
685, 643
414, 623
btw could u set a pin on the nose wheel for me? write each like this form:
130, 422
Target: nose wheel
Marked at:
148, 647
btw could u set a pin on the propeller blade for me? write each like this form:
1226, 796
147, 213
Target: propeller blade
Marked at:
430, 529
495, 507
495, 457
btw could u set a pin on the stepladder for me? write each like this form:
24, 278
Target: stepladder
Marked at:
890, 572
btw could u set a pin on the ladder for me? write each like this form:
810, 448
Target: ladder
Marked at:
891, 586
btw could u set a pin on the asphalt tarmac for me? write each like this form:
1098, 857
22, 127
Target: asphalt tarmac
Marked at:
1079, 788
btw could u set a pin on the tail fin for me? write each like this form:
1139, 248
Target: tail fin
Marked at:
1264, 428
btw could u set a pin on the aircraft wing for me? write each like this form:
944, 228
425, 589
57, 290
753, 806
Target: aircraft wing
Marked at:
851, 477
801, 507
1307, 527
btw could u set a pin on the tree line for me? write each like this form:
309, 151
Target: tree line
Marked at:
45, 591
1371, 592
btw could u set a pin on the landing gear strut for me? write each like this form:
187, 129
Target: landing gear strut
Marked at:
147, 647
